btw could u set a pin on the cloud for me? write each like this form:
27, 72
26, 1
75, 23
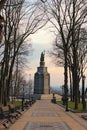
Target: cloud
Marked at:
43, 37
42, 40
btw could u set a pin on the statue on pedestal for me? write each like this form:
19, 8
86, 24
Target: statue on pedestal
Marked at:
42, 56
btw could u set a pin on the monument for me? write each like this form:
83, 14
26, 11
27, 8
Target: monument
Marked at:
42, 78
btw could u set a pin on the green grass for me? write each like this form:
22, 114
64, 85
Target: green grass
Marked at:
17, 104
71, 105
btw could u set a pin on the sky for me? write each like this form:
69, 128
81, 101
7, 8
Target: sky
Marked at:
42, 40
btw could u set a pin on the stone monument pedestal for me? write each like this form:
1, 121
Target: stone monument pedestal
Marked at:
42, 78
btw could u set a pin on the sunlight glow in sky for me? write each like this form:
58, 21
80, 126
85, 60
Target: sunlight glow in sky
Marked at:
41, 41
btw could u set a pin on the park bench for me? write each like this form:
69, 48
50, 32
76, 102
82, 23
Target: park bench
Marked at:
13, 109
84, 117
31, 101
26, 105
4, 122
6, 114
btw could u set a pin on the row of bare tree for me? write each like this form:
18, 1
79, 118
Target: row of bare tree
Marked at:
22, 19
69, 18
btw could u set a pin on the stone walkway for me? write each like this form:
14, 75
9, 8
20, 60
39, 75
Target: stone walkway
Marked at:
44, 115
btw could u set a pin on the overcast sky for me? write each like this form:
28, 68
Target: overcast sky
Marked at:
42, 40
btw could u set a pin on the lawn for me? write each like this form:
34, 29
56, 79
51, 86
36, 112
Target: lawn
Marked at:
71, 105
17, 104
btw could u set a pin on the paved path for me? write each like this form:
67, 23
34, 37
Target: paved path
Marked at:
44, 115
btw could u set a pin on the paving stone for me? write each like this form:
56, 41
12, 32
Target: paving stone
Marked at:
44, 115
47, 126
39, 114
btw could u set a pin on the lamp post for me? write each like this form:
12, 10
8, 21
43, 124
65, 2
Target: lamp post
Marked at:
12, 94
66, 98
83, 92
23, 99
30, 85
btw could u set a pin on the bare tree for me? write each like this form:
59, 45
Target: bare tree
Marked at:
68, 18
2, 2
17, 84
22, 20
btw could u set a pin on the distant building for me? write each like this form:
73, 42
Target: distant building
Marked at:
42, 78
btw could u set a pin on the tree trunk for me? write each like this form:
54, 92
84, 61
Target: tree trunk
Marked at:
66, 80
71, 94
75, 78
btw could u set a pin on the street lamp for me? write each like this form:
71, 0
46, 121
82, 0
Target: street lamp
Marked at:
23, 99
83, 92
13, 94
66, 101
30, 85
66, 98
